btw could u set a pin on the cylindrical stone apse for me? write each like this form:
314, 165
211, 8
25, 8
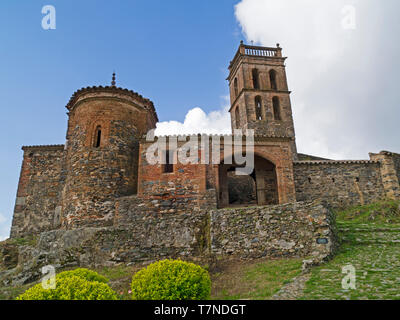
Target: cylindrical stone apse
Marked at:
104, 127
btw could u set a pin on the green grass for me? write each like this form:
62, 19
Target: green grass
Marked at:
254, 281
371, 243
384, 212
27, 241
10, 293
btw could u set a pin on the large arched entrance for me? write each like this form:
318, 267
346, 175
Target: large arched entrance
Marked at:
258, 188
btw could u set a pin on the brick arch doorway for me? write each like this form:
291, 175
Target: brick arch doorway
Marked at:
258, 188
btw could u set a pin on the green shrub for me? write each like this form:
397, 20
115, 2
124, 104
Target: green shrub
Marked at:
171, 280
85, 274
79, 284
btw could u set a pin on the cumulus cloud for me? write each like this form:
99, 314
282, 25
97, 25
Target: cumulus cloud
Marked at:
197, 121
343, 80
4, 227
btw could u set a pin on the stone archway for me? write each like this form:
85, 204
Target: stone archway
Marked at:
258, 188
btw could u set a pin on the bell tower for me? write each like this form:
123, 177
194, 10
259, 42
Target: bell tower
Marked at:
259, 94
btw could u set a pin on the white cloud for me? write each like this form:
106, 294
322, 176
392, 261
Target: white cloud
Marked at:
5, 224
342, 104
197, 121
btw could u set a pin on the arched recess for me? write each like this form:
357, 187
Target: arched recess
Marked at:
276, 105
237, 117
272, 79
256, 81
236, 88
258, 188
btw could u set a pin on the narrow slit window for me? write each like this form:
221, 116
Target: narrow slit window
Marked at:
168, 167
258, 103
97, 139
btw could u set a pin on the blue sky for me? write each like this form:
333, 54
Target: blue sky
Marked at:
174, 52
344, 81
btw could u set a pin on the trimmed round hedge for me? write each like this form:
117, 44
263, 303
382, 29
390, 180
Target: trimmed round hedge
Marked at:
171, 280
85, 274
79, 284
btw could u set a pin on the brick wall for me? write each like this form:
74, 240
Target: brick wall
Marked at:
341, 183
39, 191
185, 188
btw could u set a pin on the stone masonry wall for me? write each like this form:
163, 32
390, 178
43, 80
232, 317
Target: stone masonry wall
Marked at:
341, 183
98, 174
300, 229
396, 160
39, 191
389, 163
140, 235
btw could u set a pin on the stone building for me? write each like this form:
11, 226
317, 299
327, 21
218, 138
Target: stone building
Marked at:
103, 166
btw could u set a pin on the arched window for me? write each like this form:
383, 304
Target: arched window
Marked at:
235, 84
237, 117
272, 80
258, 104
97, 137
277, 108
256, 84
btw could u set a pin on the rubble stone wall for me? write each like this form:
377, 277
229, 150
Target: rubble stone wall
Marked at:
341, 183
39, 191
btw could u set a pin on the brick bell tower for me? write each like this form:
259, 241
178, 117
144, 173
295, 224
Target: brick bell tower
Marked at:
259, 94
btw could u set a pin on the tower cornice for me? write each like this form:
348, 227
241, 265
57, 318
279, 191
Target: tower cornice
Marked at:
264, 54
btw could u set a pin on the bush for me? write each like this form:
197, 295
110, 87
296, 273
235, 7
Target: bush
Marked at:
79, 284
85, 274
171, 280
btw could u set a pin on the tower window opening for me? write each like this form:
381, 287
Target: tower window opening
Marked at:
258, 104
97, 140
272, 80
237, 117
168, 167
256, 83
235, 85
277, 108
